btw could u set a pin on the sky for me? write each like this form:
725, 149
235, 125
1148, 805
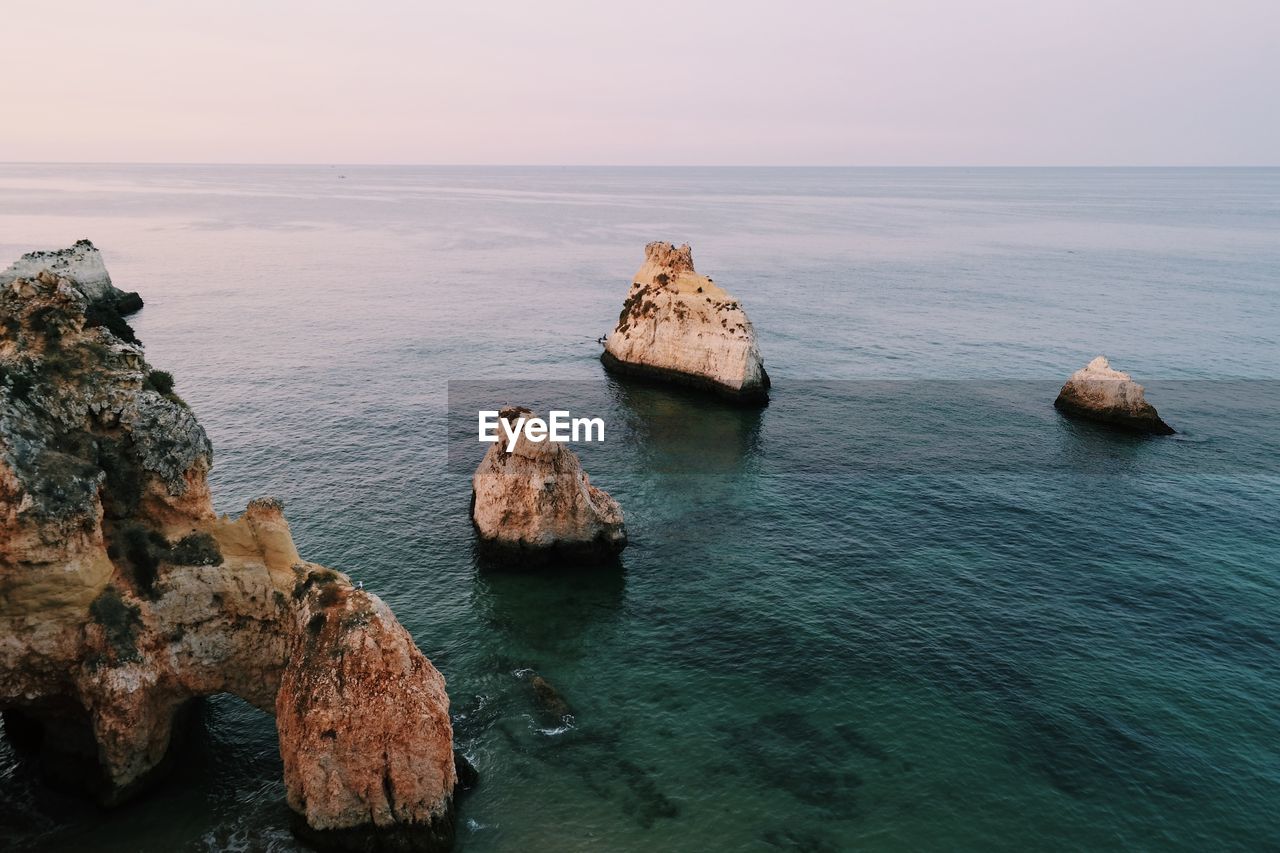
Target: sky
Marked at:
617, 82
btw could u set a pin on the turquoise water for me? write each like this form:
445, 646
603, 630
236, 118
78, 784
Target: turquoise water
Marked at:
877, 615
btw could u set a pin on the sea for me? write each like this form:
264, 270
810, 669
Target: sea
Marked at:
906, 606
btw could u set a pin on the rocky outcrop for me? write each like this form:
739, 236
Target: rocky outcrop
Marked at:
364, 727
81, 263
124, 597
535, 504
1099, 393
679, 326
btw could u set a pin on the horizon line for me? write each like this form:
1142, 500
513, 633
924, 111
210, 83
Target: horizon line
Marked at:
336, 164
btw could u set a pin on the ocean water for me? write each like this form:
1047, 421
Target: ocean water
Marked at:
905, 607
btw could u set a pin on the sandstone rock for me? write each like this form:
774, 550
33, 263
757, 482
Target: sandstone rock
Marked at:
124, 597
1099, 393
81, 263
679, 326
536, 504
364, 727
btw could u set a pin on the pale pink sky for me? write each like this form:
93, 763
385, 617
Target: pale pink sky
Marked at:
877, 82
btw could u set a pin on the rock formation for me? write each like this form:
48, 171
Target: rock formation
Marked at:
679, 326
1097, 392
81, 263
535, 504
548, 700
123, 597
364, 727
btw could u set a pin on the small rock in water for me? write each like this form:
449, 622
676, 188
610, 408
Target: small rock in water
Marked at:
468, 776
549, 699
1097, 392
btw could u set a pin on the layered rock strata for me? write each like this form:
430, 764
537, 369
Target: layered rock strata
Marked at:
1097, 392
124, 597
535, 504
679, 326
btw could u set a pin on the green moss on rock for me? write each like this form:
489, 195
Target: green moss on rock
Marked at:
120, 622
196, 549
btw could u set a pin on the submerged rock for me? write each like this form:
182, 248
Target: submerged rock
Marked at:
1099, 393
81, 263
679, 326
123, 596
535, 504
548, 699
468, 775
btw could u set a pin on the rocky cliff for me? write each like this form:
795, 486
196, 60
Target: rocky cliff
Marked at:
679, 326
535, 504
1100, 393
124, 597
81, 263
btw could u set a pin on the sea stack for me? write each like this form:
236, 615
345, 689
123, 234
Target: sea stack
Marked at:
364, 728
679, 326
1097, 392
124, 597
534, 504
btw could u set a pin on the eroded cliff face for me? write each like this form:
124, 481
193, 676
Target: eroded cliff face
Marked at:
535, 503
679, 326
81, 263
123, 596
1100, 393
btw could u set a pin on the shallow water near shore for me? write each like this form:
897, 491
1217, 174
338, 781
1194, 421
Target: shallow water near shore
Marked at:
821, 637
